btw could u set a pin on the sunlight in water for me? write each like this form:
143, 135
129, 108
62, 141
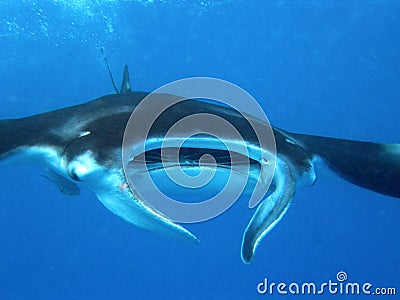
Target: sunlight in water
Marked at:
88, 6
101, 12
78, 16
87, 22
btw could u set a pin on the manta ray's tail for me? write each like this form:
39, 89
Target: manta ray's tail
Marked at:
370, 165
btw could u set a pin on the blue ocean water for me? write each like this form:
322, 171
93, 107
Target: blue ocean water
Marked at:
320, 67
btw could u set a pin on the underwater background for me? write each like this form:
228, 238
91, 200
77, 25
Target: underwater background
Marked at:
327, 68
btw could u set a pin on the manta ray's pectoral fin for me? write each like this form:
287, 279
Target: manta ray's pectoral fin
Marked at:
126, 83
271, 209
65, 186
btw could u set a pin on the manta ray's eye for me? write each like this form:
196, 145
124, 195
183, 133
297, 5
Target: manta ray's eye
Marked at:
76, 171
80, 167
73, 175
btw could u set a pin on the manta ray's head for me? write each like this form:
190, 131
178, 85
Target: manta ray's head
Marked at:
94, 160
94, 141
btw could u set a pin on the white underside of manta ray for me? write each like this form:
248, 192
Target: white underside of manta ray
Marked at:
81, 145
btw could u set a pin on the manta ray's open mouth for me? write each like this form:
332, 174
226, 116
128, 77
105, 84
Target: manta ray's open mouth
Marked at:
156, 158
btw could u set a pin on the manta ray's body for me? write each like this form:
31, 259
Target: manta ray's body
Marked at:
82, 144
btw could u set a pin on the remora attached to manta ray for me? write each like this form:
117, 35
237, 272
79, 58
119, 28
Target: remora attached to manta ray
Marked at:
82, 144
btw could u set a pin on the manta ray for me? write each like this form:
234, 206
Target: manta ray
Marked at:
81, 145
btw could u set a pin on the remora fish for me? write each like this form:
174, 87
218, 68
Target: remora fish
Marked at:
82, 145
